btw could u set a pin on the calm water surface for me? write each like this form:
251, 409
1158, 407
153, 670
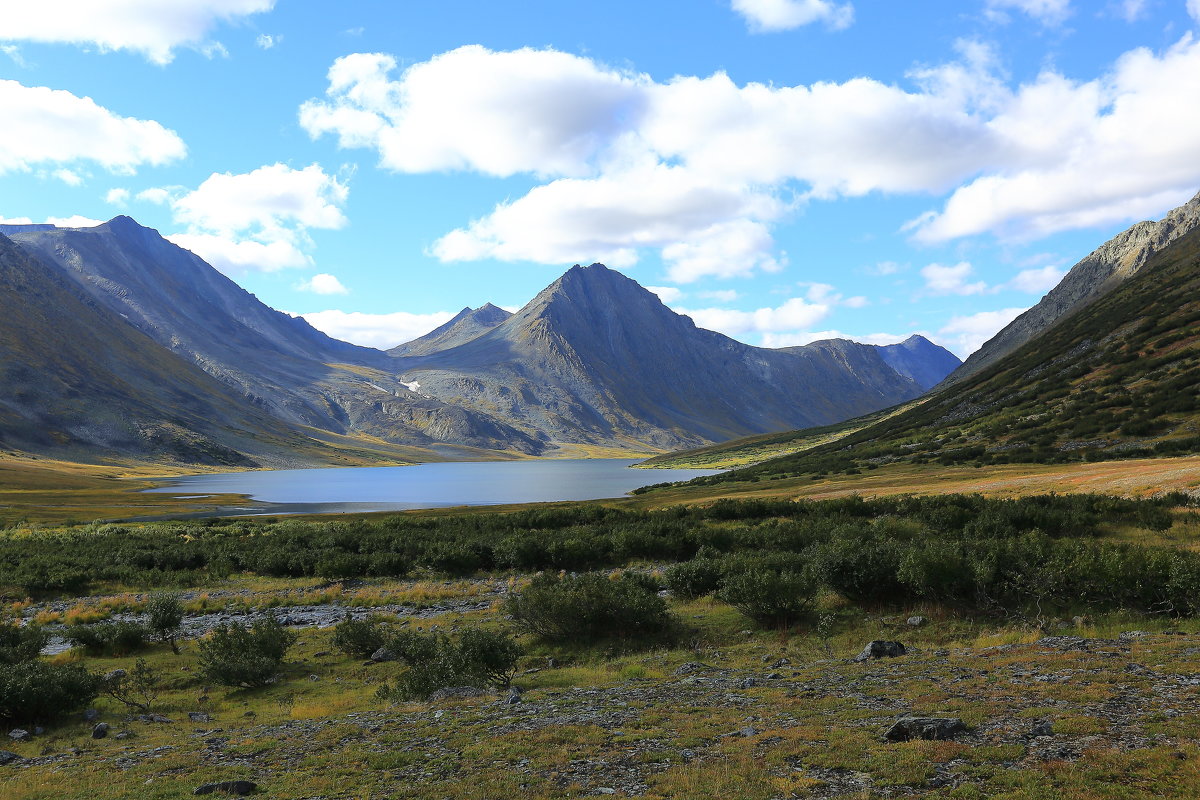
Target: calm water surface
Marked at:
459, 483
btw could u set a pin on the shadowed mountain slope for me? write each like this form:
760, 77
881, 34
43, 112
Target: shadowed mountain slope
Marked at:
596, 359
1106, 268
468, 324
1118, 379
76, 380
277, 362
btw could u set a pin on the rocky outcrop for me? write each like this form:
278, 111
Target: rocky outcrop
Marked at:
1104, 269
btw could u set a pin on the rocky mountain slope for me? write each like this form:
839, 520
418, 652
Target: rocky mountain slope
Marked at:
77, 380
1119, 378
468, 324
277, 362
596, 359
1111, 264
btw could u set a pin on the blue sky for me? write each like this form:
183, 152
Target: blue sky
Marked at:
781, 170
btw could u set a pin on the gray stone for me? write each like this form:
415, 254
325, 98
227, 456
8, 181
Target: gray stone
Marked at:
456, 693
917, 621
513, 697
930, 728
383, 654
880, 649
691, 667
91, 715
199, 716
7, 758
100, 731
115, 675
20, 735
1043, 728
228, 787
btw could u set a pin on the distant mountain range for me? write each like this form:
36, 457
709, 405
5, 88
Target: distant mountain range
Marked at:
176, 352
1109, 369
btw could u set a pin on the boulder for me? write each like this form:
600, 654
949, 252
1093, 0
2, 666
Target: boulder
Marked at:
7, 758
917, 621
880, 649
228, 787
20, 735
929, 728
100, 731
456, 693
383, 654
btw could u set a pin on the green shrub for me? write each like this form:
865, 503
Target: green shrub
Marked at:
109, 638
359, 637
435, 661
234, 655
695, 578
164, 617
20, 643
771, 597
589, 607
35, 691
137, 688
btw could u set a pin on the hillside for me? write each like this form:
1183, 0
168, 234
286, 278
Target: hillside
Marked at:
1118, 379
597, 359
468, 324
1102, 271
272, 360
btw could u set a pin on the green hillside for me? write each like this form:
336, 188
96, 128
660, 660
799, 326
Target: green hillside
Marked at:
1118, 379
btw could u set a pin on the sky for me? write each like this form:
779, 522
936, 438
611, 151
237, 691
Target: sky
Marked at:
779, 170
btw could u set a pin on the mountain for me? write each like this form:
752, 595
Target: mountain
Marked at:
468, 324
78, 380
1119, 378
275, 361
920, 359
1106, 268
595, 359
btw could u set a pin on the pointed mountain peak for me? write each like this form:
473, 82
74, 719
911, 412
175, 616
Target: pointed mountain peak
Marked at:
126, 225
489, 314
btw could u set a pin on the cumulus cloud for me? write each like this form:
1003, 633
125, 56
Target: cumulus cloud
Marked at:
942, 279
793, 315
257, 220
668, 294
1037, 281
720, 295
966, 334
1048, 12
1084, 154
376, 330
117, 197
51, 127
151, 27
266, 41
765, 16
322, 283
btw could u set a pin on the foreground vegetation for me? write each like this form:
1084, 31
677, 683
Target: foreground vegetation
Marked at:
690, 652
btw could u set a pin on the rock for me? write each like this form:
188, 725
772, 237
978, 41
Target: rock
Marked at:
1043, 728
749, 683
691, 667
747, 732
91, 715
228, 787
20, 735
100, 731
456, 693
917, 621
513, 697
199, 716
38, 730
159, 718
383, 654
930, 728
606, 790
314, 677
1063, 642
1079, 621
551, 662
7, 758
123, 735
115, 675
880, 649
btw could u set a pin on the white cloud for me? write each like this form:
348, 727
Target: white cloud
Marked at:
1131, 10
1037, 281
68, 176
966, 334
266, 41
884, 268
668, 294
808, 337
781, 15
75, 221
720, 295
794, 315
151, 27
1048, 12
1193, 7
1084, 154
117, 197
44, 127
376, 330
14, 53
941, 279
258, 220
156, 195
322, 283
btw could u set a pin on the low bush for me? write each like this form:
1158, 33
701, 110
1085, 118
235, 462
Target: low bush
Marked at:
359, 637
20, 643
589, 607
435, 661
164, 618
109, 638
770, 596
137, 688
695, 578
234, 655
36, 691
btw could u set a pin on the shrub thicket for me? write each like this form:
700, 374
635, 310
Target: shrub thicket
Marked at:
109, 638
234, 655
589, 607
36, 691
435, 661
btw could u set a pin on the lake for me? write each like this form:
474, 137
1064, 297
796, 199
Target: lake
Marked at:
458, 483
